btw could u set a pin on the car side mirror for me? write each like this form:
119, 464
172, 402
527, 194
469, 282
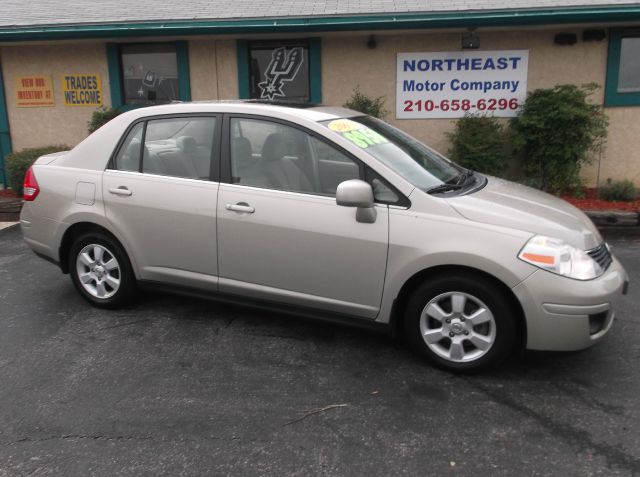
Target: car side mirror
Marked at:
357, 193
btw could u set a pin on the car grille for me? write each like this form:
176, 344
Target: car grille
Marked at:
601, 255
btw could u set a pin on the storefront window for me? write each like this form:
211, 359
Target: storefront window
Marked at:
629, 76
623, 71
149, 73
280, 70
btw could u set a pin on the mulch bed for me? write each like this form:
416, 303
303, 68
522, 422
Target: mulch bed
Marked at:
7, 193
605, 205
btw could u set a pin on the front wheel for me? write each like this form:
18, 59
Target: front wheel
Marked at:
461, 323
101, 271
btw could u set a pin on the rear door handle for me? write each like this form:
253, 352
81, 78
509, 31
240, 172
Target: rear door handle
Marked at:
122, 190
240, 207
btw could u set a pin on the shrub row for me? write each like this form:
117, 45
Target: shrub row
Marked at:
554, 134
19, 162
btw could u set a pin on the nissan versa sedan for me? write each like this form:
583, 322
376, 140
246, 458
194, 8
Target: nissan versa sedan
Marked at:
323, 212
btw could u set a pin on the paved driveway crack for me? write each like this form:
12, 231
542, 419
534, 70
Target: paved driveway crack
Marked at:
571, 435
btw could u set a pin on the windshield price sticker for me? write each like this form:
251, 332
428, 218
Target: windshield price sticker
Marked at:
365, 137
357, 133
452, 84
343, 125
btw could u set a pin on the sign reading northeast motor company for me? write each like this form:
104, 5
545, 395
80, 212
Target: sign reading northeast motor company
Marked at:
81, 90
451, 84
34, 91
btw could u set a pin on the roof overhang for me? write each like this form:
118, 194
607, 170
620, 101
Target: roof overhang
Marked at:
415, 21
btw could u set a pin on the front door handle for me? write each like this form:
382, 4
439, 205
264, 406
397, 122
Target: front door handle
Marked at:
241, 207
122, 190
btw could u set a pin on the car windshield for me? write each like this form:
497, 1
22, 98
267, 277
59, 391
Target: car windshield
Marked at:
417, 163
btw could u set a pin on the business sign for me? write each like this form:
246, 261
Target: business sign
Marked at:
451, 84
81, 90
34, 91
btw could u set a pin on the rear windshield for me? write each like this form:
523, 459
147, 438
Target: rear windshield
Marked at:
417, 163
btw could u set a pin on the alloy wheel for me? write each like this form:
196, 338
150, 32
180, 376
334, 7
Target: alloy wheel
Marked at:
98, 271
458, 327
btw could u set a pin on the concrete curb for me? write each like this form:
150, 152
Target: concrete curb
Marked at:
6, 227
613, 218
10, 209
616, 224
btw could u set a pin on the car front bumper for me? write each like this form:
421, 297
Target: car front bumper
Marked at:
563, 314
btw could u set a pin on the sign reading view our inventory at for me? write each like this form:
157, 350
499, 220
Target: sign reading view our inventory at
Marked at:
34, 91
81, 90
451, 84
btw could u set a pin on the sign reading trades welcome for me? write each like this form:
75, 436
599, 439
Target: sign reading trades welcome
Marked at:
81, 90
451, 84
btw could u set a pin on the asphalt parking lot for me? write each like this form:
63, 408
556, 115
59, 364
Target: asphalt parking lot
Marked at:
178, 386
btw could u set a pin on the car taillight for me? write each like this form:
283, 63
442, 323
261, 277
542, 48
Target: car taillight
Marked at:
31, 189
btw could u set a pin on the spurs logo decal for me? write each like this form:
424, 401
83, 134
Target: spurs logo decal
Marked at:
283, 67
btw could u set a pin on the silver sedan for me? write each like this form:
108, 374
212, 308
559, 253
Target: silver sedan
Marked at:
327, 213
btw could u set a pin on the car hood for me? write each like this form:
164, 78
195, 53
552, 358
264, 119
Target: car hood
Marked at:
520, 207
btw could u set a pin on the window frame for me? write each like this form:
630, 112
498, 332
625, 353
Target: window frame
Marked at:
611, 95
113, 163
365, 172
243, 50
116, 85
214, 172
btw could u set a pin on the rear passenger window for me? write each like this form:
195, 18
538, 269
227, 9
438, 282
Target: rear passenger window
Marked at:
179, 147
128, 158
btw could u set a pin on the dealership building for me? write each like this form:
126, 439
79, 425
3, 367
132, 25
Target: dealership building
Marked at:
433, 61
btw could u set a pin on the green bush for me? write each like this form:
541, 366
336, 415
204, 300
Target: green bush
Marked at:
619, 190
366, 104
477, 143
555, 131
19, 162
102, 116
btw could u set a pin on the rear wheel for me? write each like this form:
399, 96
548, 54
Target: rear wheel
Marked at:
101, 271
461, 323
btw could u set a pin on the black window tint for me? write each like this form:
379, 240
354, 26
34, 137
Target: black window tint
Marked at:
179, 147
128, 158
150, 73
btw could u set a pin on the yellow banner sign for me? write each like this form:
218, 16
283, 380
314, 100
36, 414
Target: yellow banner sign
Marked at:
34, 91
81, 90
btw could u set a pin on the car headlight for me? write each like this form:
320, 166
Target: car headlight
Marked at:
556, 256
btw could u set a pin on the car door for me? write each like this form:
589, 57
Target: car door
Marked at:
160, 195
281, 235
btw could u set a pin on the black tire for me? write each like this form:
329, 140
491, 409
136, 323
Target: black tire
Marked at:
472, 293
97, 275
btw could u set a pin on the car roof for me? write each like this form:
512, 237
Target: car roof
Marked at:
282, 109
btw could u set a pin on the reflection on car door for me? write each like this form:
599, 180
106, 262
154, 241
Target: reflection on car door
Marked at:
167, 214
282, 238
